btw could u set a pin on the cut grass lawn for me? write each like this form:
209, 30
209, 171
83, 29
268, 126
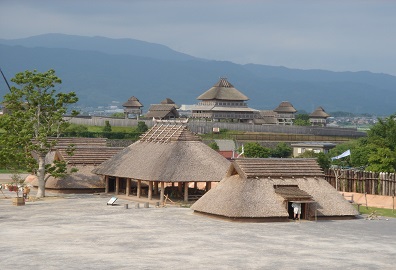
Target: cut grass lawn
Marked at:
378, 211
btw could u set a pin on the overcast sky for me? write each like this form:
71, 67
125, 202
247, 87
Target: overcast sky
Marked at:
338, 35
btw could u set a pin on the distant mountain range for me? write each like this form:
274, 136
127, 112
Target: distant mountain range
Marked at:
101, 70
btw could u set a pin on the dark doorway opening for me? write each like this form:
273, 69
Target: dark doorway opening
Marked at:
290, 210
112, 184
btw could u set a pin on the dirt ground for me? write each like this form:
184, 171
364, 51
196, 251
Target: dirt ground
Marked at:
83, 232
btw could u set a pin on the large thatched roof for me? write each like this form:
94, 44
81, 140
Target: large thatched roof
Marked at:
88, 152
223, 90
170, 153
132, 102
259, 188
319, 113
285, 107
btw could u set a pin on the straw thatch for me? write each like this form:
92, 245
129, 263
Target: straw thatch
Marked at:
285, 107
261, 188
133, 102
163, 111
223, 90
169, 153
88, 153
319, 113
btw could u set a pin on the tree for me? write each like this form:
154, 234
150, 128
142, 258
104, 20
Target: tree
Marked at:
282, 150
214, 146
302, 119
322, 159
141, 127
255, 150
34, 121
107, 127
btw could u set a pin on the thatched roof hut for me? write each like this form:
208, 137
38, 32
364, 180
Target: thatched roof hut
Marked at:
88, 153
223, 90
263, 189
167, 109
167, 153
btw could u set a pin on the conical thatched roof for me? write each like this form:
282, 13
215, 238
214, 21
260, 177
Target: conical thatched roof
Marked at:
168, 101
260, 188
285, 107
223, 90
319, 113
170, 153
132, 102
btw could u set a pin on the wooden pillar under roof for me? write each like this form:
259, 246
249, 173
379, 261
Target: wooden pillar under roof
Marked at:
155, 188
196, 185
128, 186
106, 184
150, 190
208, 186
162, 192
180, 187
139, 188
186, 191
117, 187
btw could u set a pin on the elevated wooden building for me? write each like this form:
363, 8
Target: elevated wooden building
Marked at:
167, 154
223, 102
318, 117
132, 107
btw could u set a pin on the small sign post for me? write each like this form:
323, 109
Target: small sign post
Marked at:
112, 201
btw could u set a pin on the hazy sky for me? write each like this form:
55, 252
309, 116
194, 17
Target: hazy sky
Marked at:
338, 35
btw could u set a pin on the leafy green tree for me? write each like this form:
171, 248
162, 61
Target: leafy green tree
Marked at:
214, 146
302, 119
141, 127
34, 121
255, 150
322, 159
282, 150
107, 127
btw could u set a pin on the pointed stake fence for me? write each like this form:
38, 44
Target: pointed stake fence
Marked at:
362, 181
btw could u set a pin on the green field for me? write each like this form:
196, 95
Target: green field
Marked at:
383, 212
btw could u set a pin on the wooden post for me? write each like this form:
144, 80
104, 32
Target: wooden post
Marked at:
117, 189
208, 186
106, 184
128, 186
180, 187
195, 185
139, 187
186, 191
150, 190
155, 188
162, 192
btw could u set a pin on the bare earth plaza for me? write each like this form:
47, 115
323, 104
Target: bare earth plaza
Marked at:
69, 231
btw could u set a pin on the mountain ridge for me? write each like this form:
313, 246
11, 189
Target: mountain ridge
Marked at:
156, 74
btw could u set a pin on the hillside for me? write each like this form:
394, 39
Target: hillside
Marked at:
101, 70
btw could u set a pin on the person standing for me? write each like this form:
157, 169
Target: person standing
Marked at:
297, 210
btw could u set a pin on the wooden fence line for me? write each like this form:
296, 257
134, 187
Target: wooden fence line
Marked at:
362, 181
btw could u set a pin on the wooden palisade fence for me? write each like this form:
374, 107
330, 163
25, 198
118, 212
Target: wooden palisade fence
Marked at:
350, 180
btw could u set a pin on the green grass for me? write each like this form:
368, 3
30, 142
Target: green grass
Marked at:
378, 211
113, 129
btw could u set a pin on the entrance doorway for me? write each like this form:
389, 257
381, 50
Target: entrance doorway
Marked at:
290, 210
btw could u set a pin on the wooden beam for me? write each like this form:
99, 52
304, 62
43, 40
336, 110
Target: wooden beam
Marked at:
208, 186
162, 192
155, 188
128, 186
117, 188
186, 191
150, 190
106, 184
139, 188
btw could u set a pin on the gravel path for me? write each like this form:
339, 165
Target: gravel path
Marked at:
82, 232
